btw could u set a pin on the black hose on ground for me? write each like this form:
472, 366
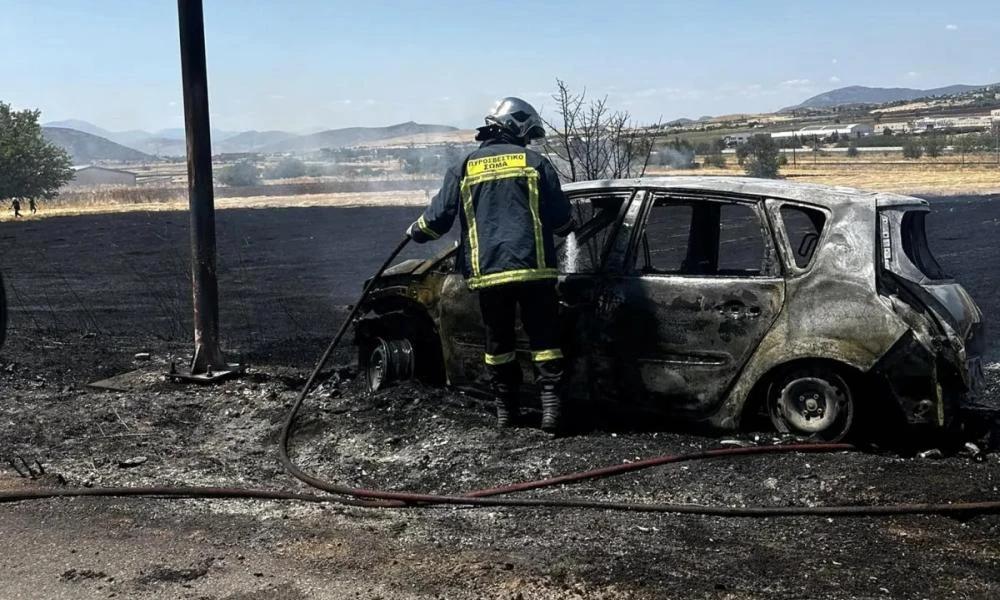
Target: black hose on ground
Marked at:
487, 497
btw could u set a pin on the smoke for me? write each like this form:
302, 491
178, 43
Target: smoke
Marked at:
682, 158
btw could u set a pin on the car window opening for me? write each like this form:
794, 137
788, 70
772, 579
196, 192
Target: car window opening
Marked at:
803, 226
583, 251
703, 238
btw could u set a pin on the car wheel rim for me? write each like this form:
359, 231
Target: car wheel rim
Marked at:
389, 361
817, 407
376, 367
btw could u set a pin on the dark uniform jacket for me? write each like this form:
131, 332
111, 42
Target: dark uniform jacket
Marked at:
510, 203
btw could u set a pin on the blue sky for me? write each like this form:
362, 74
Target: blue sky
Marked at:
308, 64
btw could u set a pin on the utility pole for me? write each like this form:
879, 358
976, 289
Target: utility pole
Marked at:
208, 363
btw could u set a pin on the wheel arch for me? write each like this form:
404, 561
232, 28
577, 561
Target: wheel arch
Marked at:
756, 398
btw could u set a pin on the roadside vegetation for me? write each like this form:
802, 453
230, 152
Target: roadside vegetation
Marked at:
30, 167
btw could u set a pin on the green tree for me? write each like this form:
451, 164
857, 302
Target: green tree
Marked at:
243, 173
760, 156
30, 166
933, 146
966, 144
912, 149
287, 168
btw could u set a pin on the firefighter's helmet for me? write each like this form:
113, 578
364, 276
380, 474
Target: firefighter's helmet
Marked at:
517, 117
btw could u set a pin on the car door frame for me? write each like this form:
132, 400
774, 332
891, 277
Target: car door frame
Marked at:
457, 309
673, 382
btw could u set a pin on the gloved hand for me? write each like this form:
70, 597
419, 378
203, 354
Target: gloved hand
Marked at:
415, 234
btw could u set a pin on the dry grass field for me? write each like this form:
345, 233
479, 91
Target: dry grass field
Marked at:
887, 172
882, 171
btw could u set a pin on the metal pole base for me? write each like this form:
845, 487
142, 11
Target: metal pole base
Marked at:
204, 376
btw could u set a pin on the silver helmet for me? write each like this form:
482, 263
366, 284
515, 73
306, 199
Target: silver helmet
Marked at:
517, 117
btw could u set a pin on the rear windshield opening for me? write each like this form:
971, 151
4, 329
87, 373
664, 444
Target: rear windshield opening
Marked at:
914, 238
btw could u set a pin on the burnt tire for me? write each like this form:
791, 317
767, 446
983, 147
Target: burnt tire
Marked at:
386, 361
814, 404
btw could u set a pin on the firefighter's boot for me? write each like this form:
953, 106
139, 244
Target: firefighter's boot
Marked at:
552, 420
508, 409
548, 376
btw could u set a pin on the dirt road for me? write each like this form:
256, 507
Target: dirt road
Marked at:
90, 292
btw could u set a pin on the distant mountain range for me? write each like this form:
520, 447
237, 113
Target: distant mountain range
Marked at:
351, 136
858, 94
87, 146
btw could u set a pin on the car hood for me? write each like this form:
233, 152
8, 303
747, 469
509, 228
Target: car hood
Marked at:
407, 267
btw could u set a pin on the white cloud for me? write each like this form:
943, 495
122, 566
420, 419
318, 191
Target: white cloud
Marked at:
796, 82
911, 75
951, 27
833, 61
172, 103
834, 79
369, 102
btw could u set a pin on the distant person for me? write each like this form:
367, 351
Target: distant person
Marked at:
16, 206
510, 204
32, 206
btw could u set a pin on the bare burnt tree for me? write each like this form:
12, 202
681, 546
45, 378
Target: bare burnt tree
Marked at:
588, 140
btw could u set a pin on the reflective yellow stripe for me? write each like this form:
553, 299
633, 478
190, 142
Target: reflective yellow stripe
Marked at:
500, 359
493, 163
424, 227
470, 220
544, 355
492, 279
536, 217
513, 165
472, 180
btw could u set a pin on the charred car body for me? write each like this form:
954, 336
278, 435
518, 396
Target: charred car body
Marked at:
710, 299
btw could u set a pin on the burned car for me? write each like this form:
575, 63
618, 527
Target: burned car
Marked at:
712, 299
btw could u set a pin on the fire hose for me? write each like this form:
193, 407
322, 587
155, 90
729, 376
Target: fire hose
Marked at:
499, 496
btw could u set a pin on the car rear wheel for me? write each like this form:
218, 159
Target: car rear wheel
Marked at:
814, 404
386, 361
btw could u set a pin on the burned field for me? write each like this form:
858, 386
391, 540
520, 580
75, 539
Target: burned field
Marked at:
90, 294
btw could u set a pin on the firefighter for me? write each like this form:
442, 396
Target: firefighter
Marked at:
16, 207
32, 206
510, 205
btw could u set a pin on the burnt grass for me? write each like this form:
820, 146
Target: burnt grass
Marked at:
88, 293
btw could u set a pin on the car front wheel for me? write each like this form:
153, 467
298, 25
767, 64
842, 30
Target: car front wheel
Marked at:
385, 361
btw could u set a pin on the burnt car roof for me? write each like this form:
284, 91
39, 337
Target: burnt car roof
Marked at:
822, 195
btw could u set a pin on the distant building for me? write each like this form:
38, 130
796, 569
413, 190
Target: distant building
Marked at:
86, 175
952, 124
737, 139
895, 127
823, 132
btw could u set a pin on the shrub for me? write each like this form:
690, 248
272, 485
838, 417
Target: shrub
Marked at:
243, 173
912, 149
287, 168
760, 156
